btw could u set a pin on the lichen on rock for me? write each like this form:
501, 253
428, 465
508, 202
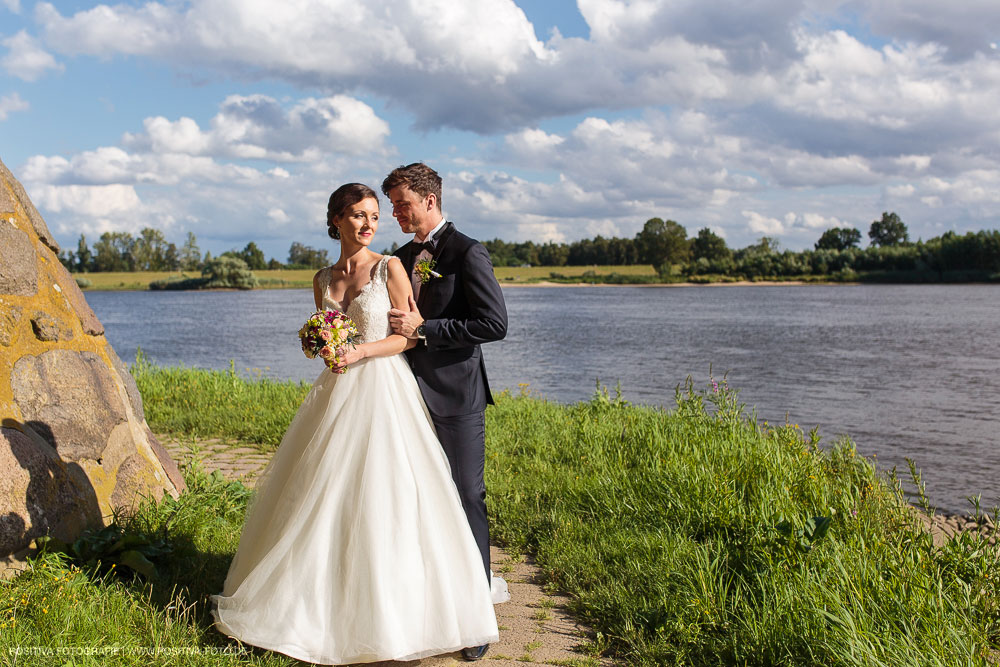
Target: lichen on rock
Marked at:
74, 442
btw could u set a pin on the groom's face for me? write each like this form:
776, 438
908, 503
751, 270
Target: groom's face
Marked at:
413, 212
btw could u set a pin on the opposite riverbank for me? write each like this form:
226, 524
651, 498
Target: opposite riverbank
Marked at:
534, 276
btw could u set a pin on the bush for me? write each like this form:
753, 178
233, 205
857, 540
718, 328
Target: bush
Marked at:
228, 271
222, 272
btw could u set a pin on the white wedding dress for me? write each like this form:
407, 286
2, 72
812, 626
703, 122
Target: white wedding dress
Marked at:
355, 547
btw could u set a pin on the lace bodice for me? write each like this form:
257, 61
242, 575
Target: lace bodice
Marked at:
370, 308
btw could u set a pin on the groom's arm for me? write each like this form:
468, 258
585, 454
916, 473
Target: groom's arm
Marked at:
487, 319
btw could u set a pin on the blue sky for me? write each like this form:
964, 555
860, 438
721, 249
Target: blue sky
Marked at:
549, 120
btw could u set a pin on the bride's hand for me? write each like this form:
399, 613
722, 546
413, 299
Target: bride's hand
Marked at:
348, 356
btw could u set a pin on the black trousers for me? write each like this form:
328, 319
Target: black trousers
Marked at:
463, 438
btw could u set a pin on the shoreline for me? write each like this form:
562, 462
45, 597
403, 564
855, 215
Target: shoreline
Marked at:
734, 283
548, 283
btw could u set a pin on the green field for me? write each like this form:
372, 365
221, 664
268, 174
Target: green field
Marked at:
283, 278
126, 280
532, 274
139, 280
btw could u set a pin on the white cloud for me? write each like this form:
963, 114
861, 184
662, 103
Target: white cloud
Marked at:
682, 109
258, 127
914, 162
25, 58
92, 200
279, 216
479, 66
900, 191
14, 6
12, 103
112, 165
405, 49
798, 168
666, 161
177, 175
963, 29
818, 221
760, 224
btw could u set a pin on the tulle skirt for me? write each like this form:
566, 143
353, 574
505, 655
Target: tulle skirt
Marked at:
355, 547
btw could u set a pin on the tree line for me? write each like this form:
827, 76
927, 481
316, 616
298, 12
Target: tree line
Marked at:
665, 245
150, 251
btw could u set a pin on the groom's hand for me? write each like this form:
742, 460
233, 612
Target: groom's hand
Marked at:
404, 322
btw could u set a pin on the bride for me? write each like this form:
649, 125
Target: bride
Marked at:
356, 547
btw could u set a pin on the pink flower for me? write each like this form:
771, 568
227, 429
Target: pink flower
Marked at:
325, 335
327, 352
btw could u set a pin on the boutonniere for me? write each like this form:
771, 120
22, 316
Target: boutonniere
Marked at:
425, 270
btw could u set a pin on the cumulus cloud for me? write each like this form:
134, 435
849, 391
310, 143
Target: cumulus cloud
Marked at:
761, 224
405, 49
802, 225
659, 160
224, 205
176, 174
26, 59
258, 127
799, 114
963, 29
14, 6
112, 165
480, 66
10, 104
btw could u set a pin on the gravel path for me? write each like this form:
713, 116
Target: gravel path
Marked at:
535, 627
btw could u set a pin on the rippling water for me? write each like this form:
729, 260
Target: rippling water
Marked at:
908, 371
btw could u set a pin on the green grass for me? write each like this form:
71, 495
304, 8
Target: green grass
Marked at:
140, 280
687, 537
199, 402
129, 280
534, 274
87, 617
676, 536
302, 278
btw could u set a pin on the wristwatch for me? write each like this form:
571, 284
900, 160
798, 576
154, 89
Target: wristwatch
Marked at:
421, 332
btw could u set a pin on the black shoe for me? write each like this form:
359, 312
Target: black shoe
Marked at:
473, 653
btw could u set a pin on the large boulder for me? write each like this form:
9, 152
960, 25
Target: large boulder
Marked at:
74, 443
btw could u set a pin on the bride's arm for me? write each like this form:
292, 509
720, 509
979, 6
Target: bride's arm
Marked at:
400, 292
318, 290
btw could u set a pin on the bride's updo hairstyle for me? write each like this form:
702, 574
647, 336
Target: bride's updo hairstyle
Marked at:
346, 195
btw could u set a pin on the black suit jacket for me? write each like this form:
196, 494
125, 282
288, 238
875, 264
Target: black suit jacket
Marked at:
461, 309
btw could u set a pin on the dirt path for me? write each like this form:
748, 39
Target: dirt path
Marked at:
535, 627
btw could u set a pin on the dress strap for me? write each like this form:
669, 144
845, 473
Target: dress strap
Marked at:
324, 279
383, 269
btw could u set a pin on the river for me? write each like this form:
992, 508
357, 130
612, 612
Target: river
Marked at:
905, 370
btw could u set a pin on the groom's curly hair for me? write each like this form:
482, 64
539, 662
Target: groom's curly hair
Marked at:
346, 195
418, 177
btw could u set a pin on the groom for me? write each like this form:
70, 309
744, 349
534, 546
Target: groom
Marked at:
457, 306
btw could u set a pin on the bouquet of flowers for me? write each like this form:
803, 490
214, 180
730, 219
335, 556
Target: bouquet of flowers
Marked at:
324, 333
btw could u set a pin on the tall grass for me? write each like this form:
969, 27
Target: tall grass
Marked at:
58, 614
700, 537
209, 403
691, 537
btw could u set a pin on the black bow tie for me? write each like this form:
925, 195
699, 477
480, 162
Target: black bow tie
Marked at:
427, 245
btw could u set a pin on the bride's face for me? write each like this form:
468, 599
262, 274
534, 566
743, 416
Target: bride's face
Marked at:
359, 222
